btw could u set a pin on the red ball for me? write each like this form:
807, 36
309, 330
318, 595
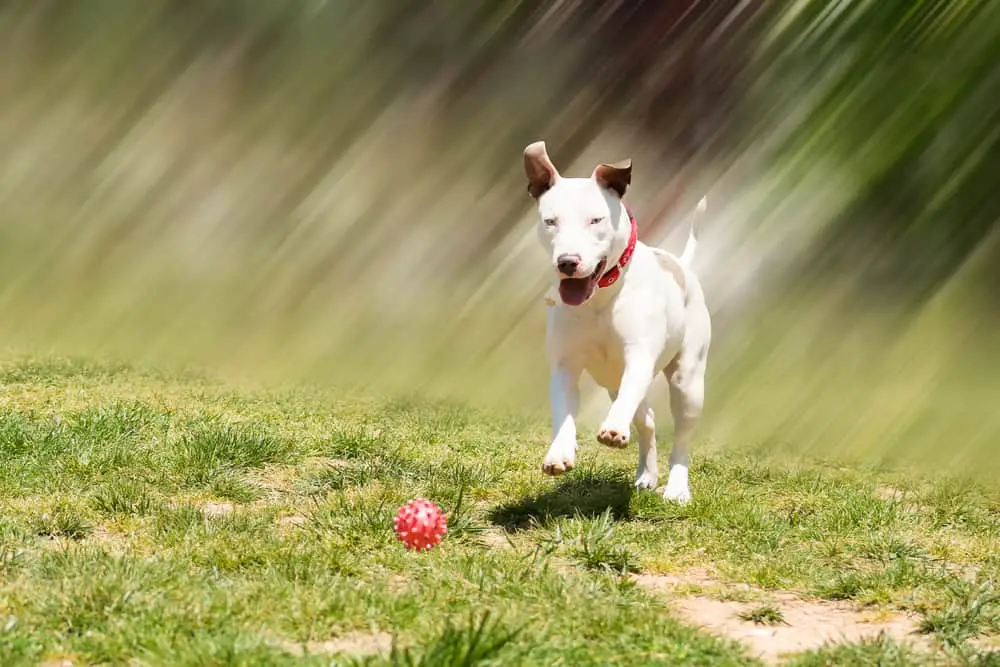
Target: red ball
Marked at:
420, 524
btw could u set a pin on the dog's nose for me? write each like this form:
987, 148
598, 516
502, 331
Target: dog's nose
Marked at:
568, 264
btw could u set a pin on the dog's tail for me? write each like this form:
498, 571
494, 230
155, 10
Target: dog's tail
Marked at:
692, 243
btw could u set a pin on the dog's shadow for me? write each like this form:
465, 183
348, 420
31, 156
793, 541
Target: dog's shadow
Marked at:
584, 495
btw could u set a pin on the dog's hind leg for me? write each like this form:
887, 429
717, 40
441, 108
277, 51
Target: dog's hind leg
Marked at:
646, 473
686, 377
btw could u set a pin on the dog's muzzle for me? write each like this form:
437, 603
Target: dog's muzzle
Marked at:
575, 291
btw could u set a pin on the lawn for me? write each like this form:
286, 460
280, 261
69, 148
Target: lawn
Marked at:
173, 519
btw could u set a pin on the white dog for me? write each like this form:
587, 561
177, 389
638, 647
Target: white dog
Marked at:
624, 312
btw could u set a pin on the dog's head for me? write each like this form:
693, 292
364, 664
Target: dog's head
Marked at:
581, 221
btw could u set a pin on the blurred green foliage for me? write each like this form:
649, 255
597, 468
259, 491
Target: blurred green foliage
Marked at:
908, 106
331, 190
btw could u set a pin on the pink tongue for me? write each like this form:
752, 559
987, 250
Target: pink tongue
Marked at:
574, 291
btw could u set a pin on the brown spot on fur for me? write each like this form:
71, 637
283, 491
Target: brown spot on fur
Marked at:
671, 368
670, 264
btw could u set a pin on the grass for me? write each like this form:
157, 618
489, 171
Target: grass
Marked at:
877, 652
175, 520
478, 641
970, 611
765, 614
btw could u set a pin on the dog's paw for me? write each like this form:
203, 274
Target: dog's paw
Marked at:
611, 436
646, 480
677, 489
677, 493
558, 461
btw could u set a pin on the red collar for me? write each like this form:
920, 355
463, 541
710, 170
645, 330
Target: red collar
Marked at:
612, 276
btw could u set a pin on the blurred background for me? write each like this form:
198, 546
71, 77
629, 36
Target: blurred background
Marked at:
330, 191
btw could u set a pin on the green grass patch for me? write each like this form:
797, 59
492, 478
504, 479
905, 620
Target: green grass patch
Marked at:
765, 614
173, 521
878, 652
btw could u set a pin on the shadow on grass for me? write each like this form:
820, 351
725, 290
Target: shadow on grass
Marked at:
588, 494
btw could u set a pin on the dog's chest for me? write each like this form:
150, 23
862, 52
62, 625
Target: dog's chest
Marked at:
591, 339
605, 363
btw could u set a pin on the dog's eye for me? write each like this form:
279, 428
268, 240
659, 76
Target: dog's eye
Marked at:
596, 221
549, 222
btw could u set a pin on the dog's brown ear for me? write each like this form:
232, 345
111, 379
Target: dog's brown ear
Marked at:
538, 167
617, 176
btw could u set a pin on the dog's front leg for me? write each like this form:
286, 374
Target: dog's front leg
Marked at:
635, 383
564, 397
